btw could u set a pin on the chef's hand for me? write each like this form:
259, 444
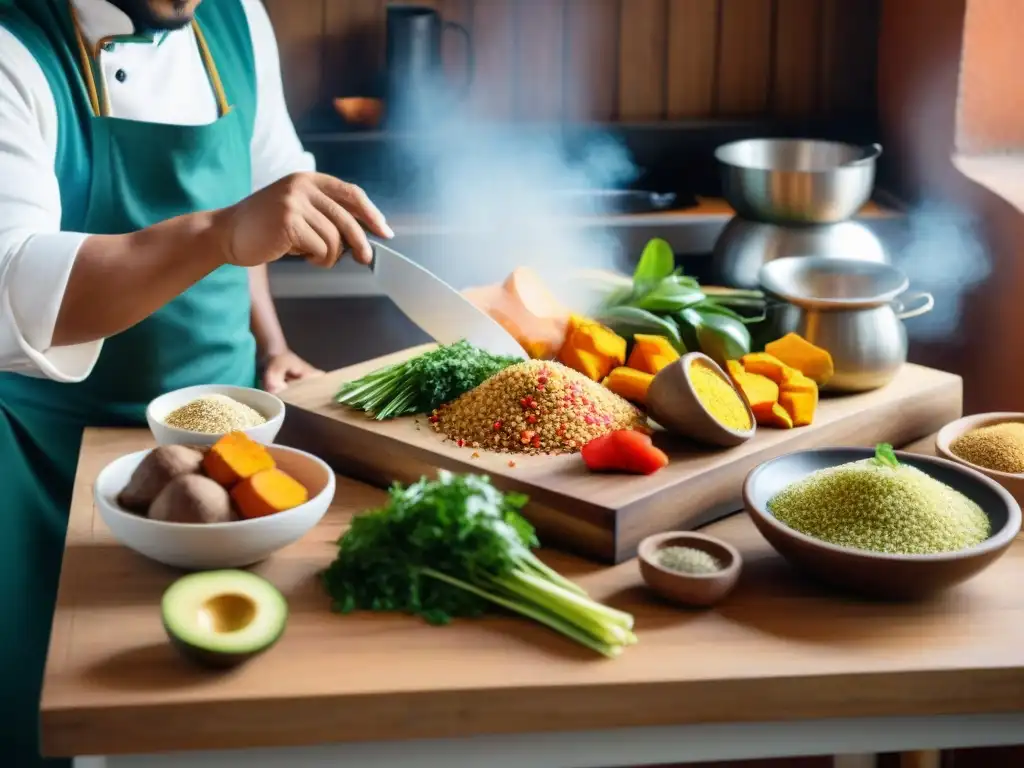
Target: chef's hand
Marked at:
283, 369
310, 214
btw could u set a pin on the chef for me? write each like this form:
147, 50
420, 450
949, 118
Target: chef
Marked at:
148, 173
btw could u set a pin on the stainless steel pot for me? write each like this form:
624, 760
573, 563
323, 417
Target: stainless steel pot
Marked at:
854, 309
744, 246
797, 181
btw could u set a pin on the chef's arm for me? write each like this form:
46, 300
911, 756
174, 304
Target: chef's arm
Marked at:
266, 326
117, 281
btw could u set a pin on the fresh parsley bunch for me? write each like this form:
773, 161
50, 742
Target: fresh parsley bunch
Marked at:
457, 546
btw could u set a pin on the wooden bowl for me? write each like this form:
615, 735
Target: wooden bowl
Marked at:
698, 590
1012, 483
684, 413
877, 574
361, 111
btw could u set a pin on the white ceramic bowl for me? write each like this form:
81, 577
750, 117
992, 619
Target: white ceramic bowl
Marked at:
216, 545
267, 404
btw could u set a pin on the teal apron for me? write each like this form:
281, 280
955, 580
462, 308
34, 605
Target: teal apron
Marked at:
116, 176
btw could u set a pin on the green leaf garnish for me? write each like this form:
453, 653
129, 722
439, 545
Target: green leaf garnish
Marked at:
885, 456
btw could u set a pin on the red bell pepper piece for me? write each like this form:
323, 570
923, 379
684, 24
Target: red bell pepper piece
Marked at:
624, 450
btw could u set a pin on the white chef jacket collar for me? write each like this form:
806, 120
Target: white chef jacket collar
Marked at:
101, 19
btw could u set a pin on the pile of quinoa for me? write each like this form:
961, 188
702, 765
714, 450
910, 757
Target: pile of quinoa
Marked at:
535, 407
999, 447
866, 506
213, 415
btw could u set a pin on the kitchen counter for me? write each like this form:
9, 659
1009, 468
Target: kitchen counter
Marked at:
781, 668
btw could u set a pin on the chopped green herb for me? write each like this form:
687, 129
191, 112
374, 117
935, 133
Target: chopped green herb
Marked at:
454, 547
885, 456
422, 383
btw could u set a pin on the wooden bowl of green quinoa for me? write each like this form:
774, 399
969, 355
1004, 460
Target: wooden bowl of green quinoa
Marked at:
881, 523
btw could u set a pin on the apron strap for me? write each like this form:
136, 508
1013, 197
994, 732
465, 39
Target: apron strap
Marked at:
88, 61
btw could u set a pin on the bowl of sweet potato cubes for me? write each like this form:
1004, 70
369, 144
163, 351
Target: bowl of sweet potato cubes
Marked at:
228, 505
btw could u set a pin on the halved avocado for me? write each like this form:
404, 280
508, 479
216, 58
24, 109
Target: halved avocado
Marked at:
223, 618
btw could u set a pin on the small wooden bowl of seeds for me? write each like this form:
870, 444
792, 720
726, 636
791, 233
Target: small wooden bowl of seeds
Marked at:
990, 443
689, 568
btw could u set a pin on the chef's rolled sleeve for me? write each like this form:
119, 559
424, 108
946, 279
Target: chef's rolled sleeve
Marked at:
35, 256
276, 149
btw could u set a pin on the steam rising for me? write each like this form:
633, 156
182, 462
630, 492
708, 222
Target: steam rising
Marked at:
512, 195
944, 255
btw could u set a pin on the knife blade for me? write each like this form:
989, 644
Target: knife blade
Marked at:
440, 310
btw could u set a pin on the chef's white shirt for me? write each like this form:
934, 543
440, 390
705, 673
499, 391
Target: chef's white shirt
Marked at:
161, 82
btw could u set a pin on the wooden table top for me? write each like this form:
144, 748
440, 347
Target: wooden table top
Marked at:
778, 649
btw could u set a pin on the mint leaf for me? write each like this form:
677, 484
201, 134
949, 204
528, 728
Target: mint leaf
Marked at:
885, 456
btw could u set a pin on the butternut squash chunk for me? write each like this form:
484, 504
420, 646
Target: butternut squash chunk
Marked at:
629, 383
764, 364
591, 348
651, 353
540, 335
776, 416
657, 362
800, 406
599, 340
796, 352
267, 493
594, 367
235, 457
759, 391
734, 368
794, 381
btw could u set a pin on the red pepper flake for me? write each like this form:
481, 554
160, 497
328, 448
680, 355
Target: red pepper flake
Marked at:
526, 434
434, 418
585, 401
497, 426
534, 405
542, 380
531, 419
536, 442
460, 442
511, 463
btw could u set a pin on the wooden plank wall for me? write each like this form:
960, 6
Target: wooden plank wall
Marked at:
605, 60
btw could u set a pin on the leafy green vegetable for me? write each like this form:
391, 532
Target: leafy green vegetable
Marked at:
670, 296
665, 302
656, 263
421, 384
628, 321
885, 456
455, 547
720, 336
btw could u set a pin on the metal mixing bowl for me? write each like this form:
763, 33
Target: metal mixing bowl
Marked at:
797, 181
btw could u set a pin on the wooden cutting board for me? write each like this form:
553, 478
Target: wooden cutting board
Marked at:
606, 516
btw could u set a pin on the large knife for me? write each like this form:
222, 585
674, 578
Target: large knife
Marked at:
436, 307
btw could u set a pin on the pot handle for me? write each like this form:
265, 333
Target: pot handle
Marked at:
926, 300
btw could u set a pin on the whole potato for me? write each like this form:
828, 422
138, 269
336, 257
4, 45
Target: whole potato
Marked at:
160, 466
192, 499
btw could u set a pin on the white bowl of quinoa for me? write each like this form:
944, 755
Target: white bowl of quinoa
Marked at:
202, 414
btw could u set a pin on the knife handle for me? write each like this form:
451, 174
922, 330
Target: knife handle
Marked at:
346, 251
